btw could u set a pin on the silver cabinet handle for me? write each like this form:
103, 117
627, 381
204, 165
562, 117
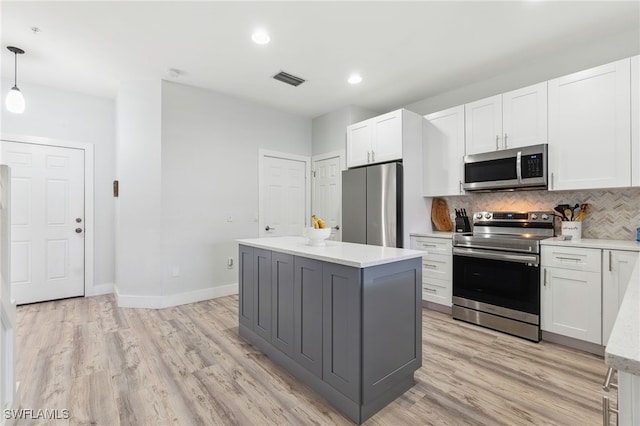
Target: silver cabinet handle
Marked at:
497, 142
461, 190
607, 411
609, 260
268, 228
373, 156
607, 380
505, 140
551, 180
428, 265
545, 277
573, 259
368, 156
431, 290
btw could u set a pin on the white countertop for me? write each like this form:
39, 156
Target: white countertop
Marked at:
348, 254
629, 245
623, 349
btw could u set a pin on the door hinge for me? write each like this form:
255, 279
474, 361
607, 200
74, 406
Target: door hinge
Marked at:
313, 173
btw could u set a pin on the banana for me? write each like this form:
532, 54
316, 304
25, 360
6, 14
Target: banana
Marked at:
317, 222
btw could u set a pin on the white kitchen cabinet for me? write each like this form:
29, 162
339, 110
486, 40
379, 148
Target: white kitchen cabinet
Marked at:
635, 120
589, 128
617, 266
570, 292
378, 139
437, 268
443, 152
513, 119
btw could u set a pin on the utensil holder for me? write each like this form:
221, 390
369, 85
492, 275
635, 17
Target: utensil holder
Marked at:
571, 228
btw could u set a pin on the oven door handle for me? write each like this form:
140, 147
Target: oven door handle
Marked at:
486, 254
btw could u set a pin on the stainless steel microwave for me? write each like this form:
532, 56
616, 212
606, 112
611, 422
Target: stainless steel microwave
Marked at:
507, 169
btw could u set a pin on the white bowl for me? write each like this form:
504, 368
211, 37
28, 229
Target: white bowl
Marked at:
317, 236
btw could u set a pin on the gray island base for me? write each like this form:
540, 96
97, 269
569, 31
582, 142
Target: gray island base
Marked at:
346, 319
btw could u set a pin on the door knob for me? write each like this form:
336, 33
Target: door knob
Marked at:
337, 227
78, 220
78, 230
268, 228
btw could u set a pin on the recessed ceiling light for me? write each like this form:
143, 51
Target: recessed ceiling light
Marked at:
355, 79
260, 37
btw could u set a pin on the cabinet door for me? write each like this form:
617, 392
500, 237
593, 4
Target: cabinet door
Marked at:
387, 137
359, 143
524, 116
571, 304
589, 128
282, 302
616, 274
341, 330
443, 153
483, 125
307, 314
635, 120
246, 286
262, 293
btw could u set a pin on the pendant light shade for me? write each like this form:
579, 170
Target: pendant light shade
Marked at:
15, 101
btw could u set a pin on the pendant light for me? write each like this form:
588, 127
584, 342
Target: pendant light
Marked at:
15, 100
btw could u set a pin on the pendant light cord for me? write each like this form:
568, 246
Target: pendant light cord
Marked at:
15, 69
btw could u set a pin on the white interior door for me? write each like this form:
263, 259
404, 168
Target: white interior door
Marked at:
327, 192
283, 195
47, 221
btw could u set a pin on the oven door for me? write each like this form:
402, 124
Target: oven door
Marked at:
502, 279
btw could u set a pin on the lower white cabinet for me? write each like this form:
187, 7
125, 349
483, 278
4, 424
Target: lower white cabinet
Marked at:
437, 268
570, 293
617, 266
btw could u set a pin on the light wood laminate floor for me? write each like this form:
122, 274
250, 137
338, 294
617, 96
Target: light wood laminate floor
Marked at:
187, 365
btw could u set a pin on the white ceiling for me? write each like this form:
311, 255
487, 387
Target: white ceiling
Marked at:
405, 51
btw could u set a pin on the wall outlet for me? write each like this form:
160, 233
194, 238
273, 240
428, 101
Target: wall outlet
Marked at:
229, 218
175, 272
230, 263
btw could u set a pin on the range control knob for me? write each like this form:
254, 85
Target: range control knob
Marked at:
487, 215
545, 216
534, 216
478, 215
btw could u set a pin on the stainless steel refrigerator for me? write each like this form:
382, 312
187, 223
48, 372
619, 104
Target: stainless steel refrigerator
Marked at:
372, 205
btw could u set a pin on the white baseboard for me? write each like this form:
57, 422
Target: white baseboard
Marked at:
167, 301
100, 289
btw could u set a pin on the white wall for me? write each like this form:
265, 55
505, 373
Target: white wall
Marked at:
619, 46
73, 117
138, 208
210, 144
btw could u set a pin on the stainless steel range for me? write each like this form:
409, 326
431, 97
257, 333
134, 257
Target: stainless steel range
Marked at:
496, 271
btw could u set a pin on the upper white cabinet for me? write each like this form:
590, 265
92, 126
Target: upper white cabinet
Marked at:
617, 267
589, 128
376, 140
443, 151
635, 120
513, 119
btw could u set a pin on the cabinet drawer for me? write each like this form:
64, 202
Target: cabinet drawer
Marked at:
575, 258
437, 266
437, 291
432, 245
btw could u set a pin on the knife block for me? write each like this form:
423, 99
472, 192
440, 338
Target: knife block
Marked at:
462, 224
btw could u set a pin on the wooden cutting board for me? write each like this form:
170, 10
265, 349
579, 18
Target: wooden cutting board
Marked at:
440, 215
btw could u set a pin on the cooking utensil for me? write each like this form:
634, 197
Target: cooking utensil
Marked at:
568, 214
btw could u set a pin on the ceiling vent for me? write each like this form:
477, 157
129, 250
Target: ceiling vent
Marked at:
289, 79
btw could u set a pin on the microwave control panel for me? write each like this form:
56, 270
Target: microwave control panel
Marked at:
532, 166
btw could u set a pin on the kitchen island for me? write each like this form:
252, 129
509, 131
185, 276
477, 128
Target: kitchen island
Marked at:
345, 319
